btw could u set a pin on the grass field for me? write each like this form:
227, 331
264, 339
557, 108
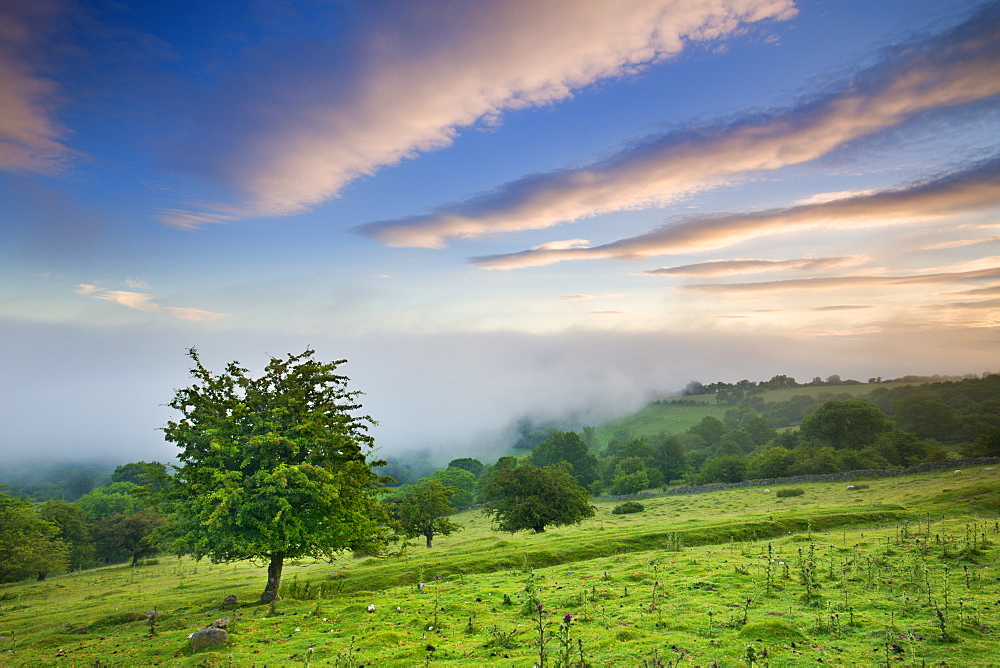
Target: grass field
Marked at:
901, 572
656, 418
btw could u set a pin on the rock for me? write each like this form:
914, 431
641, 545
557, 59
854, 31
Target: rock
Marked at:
228, 602
208, 637
219, 623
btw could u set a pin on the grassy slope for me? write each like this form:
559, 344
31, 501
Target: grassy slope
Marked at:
602, 572
656, 418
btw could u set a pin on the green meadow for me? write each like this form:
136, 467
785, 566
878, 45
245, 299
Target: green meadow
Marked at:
896, 571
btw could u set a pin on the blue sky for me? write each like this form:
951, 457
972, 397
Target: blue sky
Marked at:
491, 209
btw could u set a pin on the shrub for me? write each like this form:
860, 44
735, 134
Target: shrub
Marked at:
628, 507
791, 491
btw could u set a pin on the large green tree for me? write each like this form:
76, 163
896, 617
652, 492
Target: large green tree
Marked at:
528, 497
424, 509
274, 467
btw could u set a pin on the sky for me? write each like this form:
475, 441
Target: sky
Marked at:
555, 209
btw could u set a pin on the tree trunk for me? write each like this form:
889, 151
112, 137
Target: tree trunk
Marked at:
540, 529
430, 536
273, 578
42, 575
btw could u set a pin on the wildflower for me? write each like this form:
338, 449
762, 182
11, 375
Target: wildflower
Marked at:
567, 618
371, 608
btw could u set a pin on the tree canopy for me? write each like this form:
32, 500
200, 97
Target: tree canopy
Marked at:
272, 468
528, 497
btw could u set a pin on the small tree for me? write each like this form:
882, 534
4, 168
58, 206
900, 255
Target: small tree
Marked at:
528, 497
272, 468
423, 511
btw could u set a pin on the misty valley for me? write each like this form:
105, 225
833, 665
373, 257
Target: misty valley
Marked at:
749, 523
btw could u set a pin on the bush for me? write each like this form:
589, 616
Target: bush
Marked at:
791, 491
628, 507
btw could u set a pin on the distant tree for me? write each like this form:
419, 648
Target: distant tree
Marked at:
567, 447
926, 416
29, 546
630, 476
127, 537
850, 425
73, 531
901, 448
530, 434
78, 483
473, 466
710, 429
985, 445
774, 462
464, 484
528, 497
668, 456
115, 498
695, 388
272, 468
139, 473
730, 468
424, 509
758, 431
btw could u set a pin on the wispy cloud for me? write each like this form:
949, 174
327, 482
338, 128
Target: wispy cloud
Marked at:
963, 243
952, 69
142, 301
976, 188
31, 139
137, 283
304, 124
835, 282
584, 297
733, 267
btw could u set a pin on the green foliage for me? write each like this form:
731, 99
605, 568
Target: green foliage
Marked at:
927, 416
786, 492
473, 466
116, 498
124, 537
463, 483
273, 467
139, 473
29, 546
424, 508
73, 531
847, 425
528, 497
985, 445
627, 508
567, 447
